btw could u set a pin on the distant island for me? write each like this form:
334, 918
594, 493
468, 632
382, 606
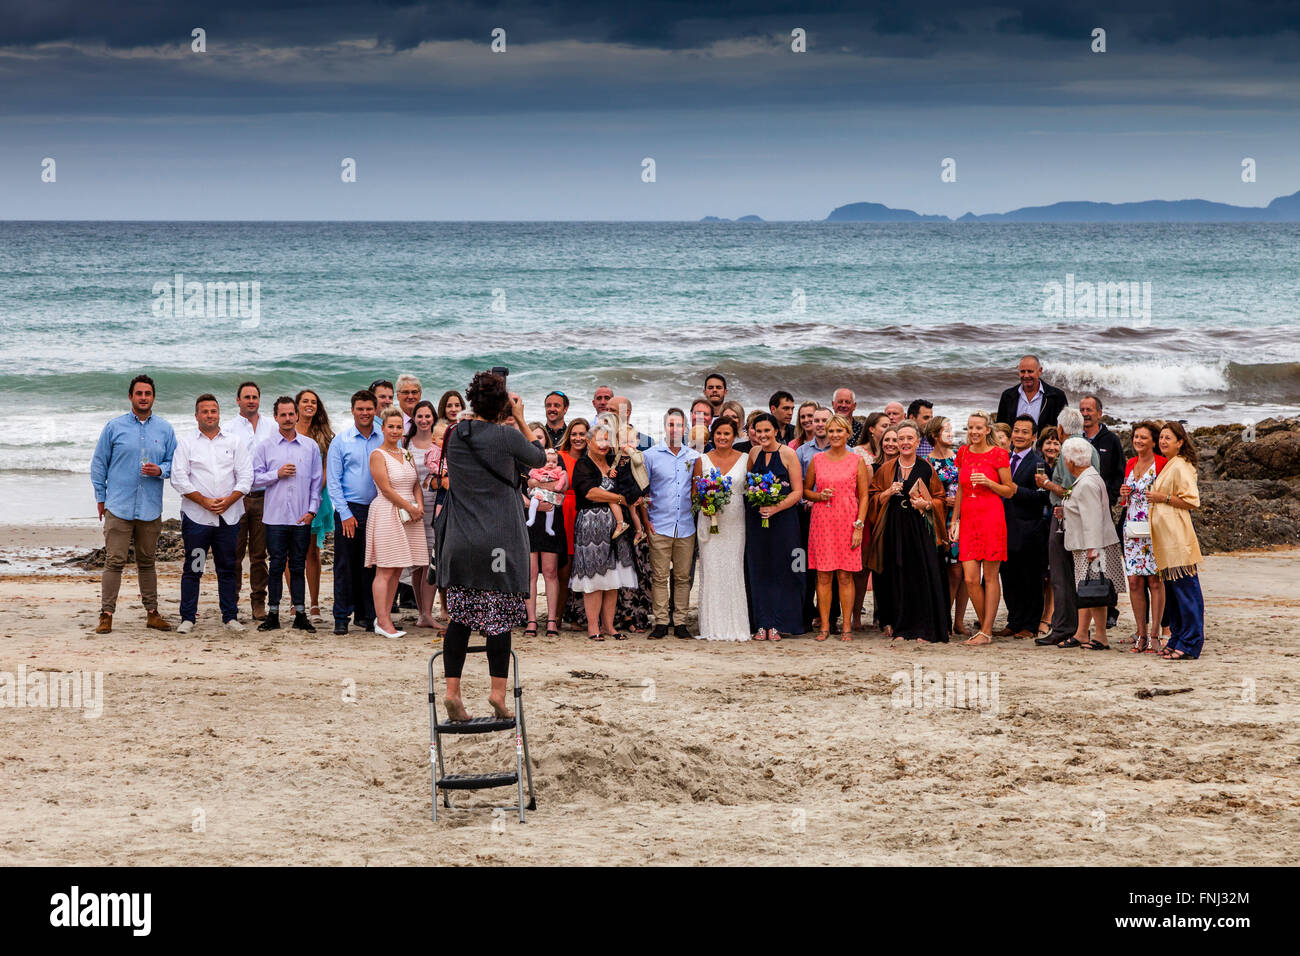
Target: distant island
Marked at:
1281, 209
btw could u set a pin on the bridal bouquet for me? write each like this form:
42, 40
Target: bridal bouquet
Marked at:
712, 494
764, 489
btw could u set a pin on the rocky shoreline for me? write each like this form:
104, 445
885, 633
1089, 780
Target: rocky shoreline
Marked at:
1250, 492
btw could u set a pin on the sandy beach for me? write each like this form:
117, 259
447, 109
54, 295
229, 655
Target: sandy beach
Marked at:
215, 748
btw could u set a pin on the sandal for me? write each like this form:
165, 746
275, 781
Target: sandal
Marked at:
976, 641
1095, 645
1155, 646
1044, 628
846, 635
1069, 642
595, 637
618, 637
1177, 656
552, 631
822, 635
773, 634
760, 634
531, 630
1131, 639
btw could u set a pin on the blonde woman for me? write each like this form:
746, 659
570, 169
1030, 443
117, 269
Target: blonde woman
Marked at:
984, 479
394, 527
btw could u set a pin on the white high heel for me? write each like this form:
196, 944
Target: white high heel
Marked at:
382, 633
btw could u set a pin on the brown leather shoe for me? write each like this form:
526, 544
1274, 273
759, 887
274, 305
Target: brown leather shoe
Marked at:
1021, 635
105, 623
157, 622
259, 612
1005, 632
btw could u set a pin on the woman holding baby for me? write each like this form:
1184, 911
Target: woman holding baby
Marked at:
547, 543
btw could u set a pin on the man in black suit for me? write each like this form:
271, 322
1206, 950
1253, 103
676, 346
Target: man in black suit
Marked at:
1026, 510
1032, 397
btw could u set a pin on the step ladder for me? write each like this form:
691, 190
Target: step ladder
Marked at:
480, 725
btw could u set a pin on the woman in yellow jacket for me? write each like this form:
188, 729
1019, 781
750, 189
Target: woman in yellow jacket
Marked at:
1173, 498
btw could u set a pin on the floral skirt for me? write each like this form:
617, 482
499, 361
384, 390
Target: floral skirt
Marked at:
491, 612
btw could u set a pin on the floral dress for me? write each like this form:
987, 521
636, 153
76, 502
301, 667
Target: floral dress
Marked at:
946, 469
1139, 558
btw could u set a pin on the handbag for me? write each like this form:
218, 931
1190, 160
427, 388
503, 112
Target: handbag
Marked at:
1137, 529
1095, 592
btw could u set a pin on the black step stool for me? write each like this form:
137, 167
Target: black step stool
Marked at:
480, 725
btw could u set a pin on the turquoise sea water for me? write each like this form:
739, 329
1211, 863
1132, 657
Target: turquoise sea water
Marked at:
939, 311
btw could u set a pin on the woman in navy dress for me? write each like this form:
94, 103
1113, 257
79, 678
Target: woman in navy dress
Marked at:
774, 556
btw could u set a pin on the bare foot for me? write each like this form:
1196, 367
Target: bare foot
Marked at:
499, 708
456, 710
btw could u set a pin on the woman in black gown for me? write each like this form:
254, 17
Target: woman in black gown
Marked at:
907, 500
774, 556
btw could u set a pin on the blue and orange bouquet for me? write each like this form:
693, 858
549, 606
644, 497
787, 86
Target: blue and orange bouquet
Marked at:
764, 489
712, 494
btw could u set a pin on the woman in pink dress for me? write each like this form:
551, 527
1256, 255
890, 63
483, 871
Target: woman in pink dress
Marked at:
979, 521
393, 544
836, 483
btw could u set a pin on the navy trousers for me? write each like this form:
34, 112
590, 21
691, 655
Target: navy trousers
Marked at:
1186, 610
353, 581
197, 539
287, 543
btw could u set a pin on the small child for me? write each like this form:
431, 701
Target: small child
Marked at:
548, 495
433, 461
630, 481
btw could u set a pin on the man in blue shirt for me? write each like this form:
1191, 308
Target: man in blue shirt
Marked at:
132, 459
669, 466
347, 474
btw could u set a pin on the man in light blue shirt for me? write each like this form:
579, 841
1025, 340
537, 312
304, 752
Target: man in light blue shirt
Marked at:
347, 474
669, 466
132, 459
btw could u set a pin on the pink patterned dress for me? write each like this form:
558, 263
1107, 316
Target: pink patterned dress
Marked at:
830, 531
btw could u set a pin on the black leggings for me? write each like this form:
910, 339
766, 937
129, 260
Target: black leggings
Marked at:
457, 640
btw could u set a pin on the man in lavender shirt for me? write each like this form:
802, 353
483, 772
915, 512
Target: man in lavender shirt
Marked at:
288, 466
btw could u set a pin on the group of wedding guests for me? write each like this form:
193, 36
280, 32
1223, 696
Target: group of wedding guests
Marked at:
1023, 511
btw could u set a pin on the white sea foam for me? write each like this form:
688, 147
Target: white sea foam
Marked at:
1150, 379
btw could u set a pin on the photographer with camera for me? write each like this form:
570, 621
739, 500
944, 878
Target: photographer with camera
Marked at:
481, 540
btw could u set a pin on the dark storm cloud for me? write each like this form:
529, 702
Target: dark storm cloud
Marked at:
661, 24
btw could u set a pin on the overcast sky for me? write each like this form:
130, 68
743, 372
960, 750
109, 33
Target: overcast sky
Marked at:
557, 126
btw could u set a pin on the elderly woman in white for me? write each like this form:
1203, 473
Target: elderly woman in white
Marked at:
1090, 536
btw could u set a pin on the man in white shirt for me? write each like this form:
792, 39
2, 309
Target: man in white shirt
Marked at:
251, 428
212, 471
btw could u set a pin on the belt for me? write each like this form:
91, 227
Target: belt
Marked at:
256, 494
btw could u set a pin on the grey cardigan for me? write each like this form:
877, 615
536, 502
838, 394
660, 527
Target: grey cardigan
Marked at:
482, 541
1088, 522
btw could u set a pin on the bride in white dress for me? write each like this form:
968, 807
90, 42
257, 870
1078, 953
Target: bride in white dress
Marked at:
724, 608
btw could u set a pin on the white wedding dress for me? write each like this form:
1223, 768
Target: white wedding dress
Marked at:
724, 607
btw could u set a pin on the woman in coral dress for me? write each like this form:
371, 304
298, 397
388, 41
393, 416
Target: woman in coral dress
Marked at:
393, 544
836, 483
979, 521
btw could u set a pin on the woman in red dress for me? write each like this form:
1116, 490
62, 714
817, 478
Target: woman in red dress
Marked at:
979, 523
838, 524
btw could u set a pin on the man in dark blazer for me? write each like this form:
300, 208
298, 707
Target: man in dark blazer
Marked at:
1026, 510
1032, 397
